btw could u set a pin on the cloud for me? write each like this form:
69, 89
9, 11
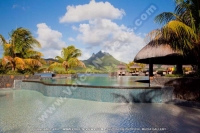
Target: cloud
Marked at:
71, 39
15, 6
118, 40
85, 54
51, 40
50, 53
93, 10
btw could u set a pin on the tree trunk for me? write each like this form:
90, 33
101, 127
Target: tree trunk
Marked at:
179, 68
13, 66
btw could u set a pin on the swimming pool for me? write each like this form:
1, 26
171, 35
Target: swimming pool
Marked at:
101, 80
101, 87
29, 111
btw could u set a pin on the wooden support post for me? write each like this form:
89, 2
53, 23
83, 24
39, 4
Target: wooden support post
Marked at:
179, 68
150, 71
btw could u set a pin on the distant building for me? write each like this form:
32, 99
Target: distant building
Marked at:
121, 69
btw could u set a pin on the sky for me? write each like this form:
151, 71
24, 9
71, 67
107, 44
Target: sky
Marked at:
114, 26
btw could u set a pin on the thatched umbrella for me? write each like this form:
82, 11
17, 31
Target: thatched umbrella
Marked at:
161, 53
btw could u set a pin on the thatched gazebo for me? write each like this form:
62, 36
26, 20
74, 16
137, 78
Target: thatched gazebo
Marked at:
121, 69
161, 53
135, 67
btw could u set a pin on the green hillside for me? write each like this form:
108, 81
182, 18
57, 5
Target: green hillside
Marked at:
101, 60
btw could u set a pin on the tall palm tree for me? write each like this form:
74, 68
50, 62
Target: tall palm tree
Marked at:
129, 65
19, 52
68, 59
181, 28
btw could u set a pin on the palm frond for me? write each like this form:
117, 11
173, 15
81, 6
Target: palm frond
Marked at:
19, 62
30, 53
166, 17
6, 60
2, 40
180, 29
55, 64
32, 62
60, 59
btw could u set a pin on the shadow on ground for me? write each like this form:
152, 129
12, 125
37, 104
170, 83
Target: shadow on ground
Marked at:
148, 96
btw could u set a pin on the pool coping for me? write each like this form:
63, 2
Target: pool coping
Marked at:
92, 86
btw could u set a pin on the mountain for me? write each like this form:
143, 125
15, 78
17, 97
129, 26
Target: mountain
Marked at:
101, 59
50, 59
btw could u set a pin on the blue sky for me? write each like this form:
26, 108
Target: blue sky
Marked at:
114, 26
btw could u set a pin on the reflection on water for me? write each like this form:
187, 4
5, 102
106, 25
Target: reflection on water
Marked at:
20, 111
101, 80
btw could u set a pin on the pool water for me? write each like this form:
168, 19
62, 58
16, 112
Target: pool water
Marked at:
29, 111
101, 80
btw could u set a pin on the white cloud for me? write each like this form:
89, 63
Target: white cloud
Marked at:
91, 11
15, 6
85, 54
51, 53
115, 39
71, 39
51, 40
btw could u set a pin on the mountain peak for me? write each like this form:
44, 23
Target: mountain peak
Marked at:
102, 52
93, 54
101, 59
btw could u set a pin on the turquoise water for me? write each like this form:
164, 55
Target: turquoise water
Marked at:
101, 80
25, 111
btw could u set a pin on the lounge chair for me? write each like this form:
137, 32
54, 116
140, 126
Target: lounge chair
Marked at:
147, 73
164, 73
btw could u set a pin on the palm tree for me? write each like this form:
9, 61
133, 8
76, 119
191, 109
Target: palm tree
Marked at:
68, 59
129, 65
181, 28
19, 52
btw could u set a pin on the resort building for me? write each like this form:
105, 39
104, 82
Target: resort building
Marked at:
121, 70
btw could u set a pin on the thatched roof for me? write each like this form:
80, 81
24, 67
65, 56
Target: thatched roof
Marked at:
161, 54
121, 65
167, 66
189, 66
135, 66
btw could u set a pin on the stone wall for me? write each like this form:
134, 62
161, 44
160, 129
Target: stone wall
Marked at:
7, 81
184, 88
